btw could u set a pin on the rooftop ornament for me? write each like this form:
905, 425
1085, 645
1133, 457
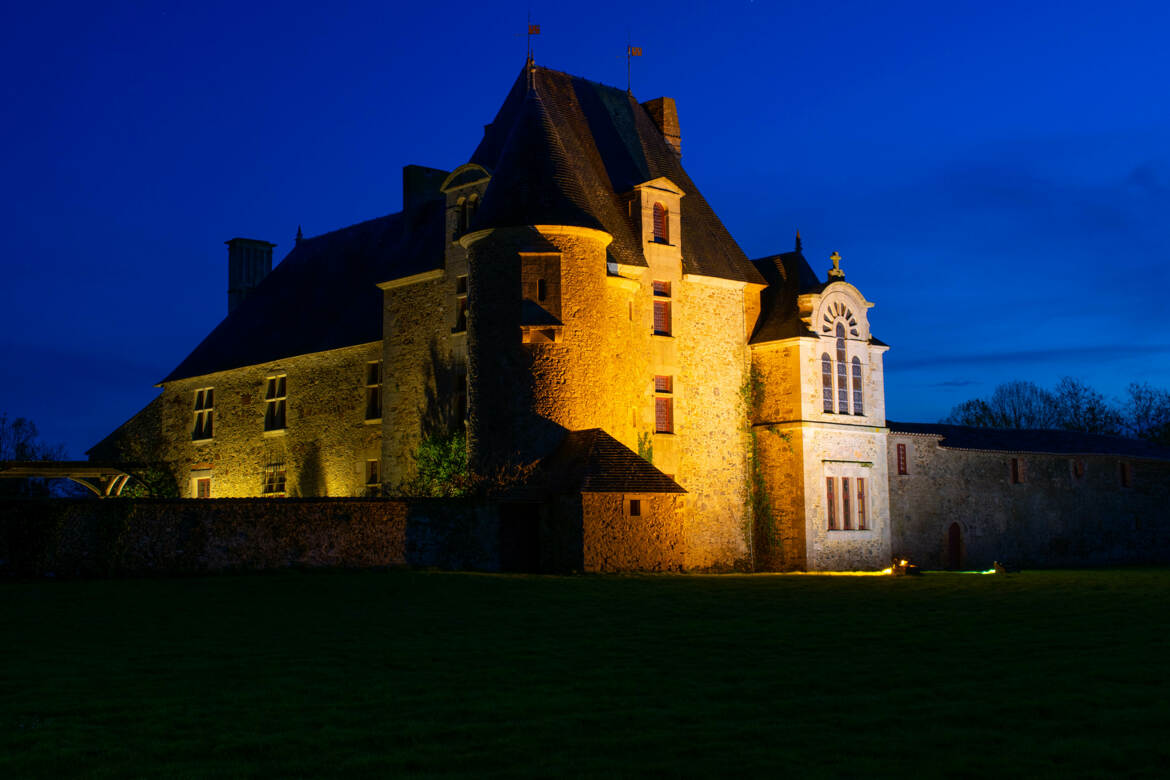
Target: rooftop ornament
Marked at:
835, 272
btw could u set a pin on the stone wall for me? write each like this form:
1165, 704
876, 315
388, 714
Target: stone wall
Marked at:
323, 449
87, 538
614, 541
1051, 518
711, 438
595, 363
424, 366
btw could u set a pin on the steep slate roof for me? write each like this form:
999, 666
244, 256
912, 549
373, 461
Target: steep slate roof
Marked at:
788, 276
597, 143
323, 295
562, 152
962, 437
592, 461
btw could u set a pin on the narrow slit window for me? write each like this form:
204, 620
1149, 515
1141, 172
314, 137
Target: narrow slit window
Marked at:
842, 378
374, 390
827, 382
858, 406
846, 514
830, 504
902, 460
861, 513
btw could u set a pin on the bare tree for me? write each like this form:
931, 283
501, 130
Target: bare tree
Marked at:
1147, 413
1081, 408
1012, 405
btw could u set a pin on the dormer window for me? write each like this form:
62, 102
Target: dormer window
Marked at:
661, 224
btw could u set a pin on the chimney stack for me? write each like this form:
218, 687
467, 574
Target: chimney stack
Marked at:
665, 114
249, 261
421, 185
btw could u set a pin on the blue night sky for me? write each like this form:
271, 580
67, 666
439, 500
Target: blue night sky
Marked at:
995, 175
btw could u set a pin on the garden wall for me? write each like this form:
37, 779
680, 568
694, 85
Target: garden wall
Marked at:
92, 538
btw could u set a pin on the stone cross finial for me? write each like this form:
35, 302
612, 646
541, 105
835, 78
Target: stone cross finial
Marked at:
835, 272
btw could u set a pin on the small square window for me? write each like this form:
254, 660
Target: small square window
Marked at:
661, 289
274, 479
664, 384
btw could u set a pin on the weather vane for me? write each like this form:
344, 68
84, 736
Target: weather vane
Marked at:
631, 52
533, 29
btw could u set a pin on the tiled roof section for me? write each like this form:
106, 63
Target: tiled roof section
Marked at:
323, 295
535, 182
788, 275
962, 437
592, 461
603, 144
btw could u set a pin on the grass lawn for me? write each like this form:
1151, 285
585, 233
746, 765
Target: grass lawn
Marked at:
400, 673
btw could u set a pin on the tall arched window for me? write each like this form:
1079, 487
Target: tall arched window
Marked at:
827, 381
842, 372
858, 405
661, 224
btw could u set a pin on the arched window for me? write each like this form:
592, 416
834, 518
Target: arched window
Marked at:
472, 205
858, 406
842, 372
661, 224
827, 381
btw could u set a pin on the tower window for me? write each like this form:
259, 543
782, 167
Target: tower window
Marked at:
664, 414
662, 320
902, 459
661, 224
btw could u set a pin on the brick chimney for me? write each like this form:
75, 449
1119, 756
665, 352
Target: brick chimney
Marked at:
664, 113
249, 261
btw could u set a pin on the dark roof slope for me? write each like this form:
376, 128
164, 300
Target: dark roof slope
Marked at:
592, 461
323, 295
601, 143
788, 276
962, 437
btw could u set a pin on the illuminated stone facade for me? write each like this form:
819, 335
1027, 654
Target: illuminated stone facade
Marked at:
565, 297
324, 447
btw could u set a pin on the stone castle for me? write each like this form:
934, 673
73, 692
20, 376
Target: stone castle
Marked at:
569, 301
